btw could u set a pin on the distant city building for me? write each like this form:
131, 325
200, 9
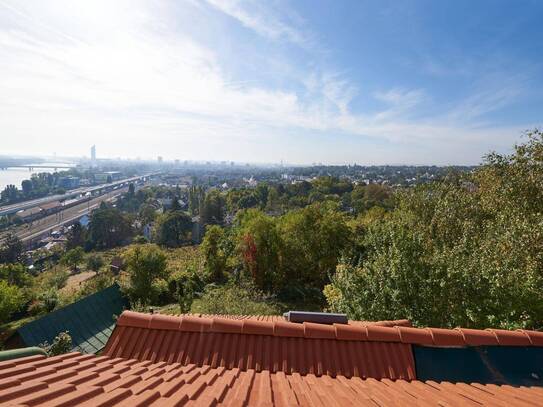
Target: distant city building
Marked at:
69, 182
159, 159
108, 176
93, 154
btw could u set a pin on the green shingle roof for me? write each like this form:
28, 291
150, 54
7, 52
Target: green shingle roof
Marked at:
89, 321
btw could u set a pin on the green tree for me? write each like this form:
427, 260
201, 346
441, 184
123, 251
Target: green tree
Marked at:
108, 228
212, 212
147, 214
463, 251
215, 258
314, 238
174, 229
26, 186
146, 266
94, 262
15, 274
10, 193
73, 257
259, 244
12, 250
11, 300
175, 204
77, 235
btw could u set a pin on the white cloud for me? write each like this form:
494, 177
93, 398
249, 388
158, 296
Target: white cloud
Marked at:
260, 17
126, 76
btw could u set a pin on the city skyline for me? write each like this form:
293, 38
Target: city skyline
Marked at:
366, 82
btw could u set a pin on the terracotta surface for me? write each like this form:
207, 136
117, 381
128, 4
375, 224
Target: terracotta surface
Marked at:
246, 344
352, 332
86, 380
275, 318
260, 351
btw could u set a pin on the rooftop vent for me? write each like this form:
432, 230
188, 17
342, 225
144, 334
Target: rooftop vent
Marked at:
316, 317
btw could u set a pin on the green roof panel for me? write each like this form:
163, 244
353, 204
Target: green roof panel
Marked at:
89, 321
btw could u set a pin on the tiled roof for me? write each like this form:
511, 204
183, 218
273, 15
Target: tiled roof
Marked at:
86, 380
275, 318
89, 322
246, 344
364, 331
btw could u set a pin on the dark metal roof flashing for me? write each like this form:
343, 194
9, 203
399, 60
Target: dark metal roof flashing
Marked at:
316, 317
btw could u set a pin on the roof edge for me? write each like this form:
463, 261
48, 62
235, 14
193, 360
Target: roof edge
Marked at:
377, 333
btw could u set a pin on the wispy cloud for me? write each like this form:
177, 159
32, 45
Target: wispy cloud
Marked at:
262, 18
69, 77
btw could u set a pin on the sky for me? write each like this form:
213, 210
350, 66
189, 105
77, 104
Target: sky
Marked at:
334, 82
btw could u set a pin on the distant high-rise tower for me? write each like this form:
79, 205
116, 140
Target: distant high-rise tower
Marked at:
159, 159
93, 153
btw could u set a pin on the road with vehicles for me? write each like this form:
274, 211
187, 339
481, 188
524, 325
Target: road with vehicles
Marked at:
36, 230
10, 209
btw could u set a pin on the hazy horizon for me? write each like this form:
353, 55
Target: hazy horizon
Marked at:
372, 83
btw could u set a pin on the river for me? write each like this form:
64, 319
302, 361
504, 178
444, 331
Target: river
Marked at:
17, 175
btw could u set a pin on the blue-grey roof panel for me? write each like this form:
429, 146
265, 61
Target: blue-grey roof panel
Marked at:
89, 321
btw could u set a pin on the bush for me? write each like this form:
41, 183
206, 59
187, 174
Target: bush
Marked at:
235, 299
146, 265
61, 344
188, 287
140, 240
94, 262
466, 251
11, 300
56, 279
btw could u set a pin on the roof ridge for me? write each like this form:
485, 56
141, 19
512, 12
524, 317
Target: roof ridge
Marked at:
375, 333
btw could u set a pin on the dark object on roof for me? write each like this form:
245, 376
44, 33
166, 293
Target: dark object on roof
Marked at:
89, 321
316, 317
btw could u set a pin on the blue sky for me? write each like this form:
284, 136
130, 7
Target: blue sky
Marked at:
371, 82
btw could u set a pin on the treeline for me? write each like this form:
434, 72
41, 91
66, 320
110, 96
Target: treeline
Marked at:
40, 184
463, 251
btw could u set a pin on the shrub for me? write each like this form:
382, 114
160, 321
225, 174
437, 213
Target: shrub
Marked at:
94, 262
11, 300
145, 264
61, 344
236, 299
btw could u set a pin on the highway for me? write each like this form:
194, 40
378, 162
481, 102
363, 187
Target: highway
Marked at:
43, 226
9, 209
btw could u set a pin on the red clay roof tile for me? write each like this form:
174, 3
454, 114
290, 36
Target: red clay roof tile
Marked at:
536, 338
229, 387
257, 327
447, 337
249, 344
383, 334
276, 345
511, 338
415, 335
476, 337
319, 331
